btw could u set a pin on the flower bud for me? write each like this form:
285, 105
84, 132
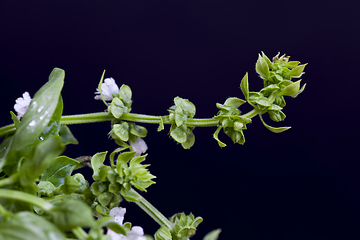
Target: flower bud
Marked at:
238, 125
262, 68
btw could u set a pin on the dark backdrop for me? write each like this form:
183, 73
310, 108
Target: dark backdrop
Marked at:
300, 184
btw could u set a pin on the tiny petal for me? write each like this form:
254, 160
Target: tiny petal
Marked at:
136, 233
139, 146
22, 104
108, 88
118, 213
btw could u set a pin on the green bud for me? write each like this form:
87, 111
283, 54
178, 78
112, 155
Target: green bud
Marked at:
238, 125
262, 68
46, 189
70, 184
277, 116
269, 63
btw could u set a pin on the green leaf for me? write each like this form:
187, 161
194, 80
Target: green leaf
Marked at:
291, 90
15, 119
266, 91
258, 98
216, 136
269, 63
262, 68
274, 129
44, 154
163, 234
100, 90
123, 158
244, 86
66, 136
297, 71
161, 124
122, 131
57, 171
292, 64
40, 111
300, 91
213, 235
29, 226
54, 125
234, 102
71, 213
116, 227
97, 161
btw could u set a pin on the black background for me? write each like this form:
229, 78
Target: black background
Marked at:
300, 184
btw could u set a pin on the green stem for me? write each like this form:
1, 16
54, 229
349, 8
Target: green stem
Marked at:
152, 211
257, 111
105, 116
7, 181
86, 118
6, 130
133, 117
80, 233
25, 197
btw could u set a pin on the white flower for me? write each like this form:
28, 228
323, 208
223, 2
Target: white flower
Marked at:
22, 104
118, 214
139, 146
136, 232
108, 88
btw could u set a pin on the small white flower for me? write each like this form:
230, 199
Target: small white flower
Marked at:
22, 104
139, 146
108, 88
118, 214
136, 232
